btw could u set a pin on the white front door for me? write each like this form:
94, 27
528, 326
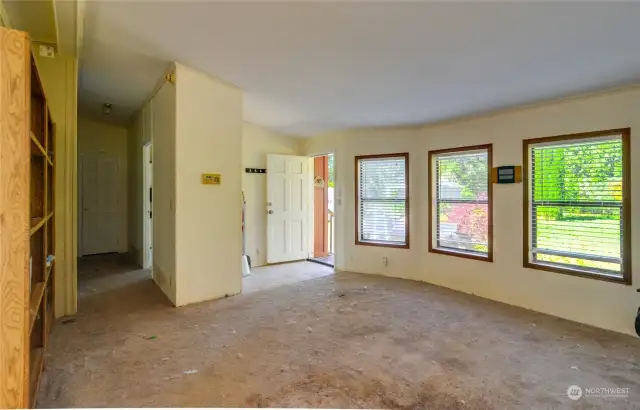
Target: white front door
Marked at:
100, 204
288, 184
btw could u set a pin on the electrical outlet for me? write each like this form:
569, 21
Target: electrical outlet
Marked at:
385, 261
47, 51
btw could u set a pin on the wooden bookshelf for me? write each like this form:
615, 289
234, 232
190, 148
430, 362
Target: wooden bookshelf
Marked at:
27, 210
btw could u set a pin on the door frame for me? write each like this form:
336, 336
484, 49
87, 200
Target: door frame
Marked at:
312, 207
323, 213
147, 205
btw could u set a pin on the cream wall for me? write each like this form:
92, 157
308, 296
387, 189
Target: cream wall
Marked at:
162, 119
196, 127
155, 122
208, 217
99, 138
135, 141
4, 17
257, 142
602, 304
59, 77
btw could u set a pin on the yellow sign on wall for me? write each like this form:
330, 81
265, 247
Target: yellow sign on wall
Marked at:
211, 179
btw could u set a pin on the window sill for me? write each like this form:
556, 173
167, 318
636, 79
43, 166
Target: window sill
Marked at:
577, 272
383, 244
462, 254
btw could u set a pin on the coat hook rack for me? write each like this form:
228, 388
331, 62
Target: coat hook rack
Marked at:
255, 170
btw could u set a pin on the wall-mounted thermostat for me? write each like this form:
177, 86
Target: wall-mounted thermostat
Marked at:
211, 179
508, 174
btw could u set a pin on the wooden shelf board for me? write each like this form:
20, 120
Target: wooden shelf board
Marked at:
36, 151
35, 222
38, 222
35, 371
40, 150
34, 302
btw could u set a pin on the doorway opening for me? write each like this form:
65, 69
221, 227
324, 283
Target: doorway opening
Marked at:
323, 210
147, 209
288, 215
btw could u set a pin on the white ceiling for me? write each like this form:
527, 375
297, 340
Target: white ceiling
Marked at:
309, 67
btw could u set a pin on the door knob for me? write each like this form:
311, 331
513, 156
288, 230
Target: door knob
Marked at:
270, 212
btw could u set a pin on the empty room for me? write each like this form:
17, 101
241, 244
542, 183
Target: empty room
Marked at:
312, 204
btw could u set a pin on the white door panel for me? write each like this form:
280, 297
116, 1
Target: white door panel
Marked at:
288, 182
100, 204
90, 200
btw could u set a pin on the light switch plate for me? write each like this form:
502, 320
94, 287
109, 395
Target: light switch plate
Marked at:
47, 51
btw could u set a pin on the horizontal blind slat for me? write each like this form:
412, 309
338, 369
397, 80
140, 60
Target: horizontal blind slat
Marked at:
382, 200
576, 204
462, 215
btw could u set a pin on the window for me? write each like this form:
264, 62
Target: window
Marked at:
382, 200
460, 193
577, 207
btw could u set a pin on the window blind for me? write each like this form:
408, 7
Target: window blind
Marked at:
382, 205
462, 201
576, 204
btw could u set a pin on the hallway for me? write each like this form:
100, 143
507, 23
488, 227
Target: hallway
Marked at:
103, 273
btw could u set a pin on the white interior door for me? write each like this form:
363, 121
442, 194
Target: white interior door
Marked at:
288, 184
100, 204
